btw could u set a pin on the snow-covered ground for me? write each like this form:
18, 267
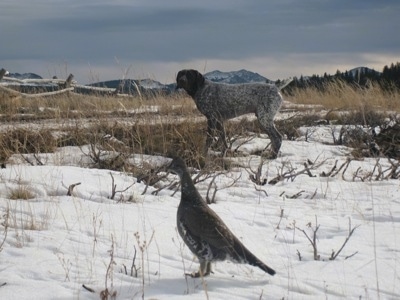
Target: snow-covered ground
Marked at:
53, 244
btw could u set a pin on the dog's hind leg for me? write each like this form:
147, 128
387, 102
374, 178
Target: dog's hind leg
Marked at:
269, 127
276, 139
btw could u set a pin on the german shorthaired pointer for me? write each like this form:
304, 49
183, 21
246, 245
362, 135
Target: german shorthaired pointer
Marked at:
219, 102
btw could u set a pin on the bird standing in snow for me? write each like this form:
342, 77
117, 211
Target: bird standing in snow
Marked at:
204, 232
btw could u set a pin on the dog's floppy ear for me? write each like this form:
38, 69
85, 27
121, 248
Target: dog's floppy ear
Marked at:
180, 74
199, 78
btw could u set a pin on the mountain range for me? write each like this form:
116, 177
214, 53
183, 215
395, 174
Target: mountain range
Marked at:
24, 76
241, 76
149, 87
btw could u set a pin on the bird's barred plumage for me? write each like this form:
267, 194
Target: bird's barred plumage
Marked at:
204, 232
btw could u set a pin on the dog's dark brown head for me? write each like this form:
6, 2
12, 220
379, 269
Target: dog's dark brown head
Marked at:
190, 81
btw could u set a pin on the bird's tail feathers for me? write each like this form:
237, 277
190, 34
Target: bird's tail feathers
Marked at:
263, 267
251, 259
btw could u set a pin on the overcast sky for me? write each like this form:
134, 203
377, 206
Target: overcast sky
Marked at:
104, 39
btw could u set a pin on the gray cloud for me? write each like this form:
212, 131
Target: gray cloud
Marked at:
177, 32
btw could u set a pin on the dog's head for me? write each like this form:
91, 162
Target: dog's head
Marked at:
189, 80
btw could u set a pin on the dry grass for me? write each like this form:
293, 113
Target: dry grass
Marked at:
22, 192
341, 96
164, 125
76, 106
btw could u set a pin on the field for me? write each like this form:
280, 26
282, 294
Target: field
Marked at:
87, 213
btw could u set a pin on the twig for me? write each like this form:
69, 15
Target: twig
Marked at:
346, 163
256, 176
351, 255
260, 190
315, 193
114, 188
345, 169
71, 188
216, 189
212, 200
299, 255
291, 175
133, 266
351, 231
295, 196
88, 289
312, 241
356, 174
280, 218
106, 292
7, 216
323, 174
373, 170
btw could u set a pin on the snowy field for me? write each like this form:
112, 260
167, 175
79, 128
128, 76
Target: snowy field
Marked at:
53, 244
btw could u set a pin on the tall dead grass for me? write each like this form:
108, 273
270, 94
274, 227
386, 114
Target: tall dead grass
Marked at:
76, 106
164, 125
341, 96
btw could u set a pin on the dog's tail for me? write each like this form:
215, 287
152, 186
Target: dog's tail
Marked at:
284, 84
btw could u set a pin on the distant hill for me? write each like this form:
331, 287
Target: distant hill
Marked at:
233, 77
359, 71
360, 76
30, 87
24, 76
146, 87
150, 87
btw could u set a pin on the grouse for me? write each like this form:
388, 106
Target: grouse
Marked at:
204, 232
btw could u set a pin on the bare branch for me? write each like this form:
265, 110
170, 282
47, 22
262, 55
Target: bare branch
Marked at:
312, 241
323, 174
256, 176
114, 188
346, 163
295, 196
212, 199
351, 231
299, 255
71, 188
88, 288
280, 218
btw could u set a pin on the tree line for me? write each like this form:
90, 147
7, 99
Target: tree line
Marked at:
388, 79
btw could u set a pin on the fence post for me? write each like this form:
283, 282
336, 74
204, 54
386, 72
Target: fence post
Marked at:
119, 88
69, 81
2, 73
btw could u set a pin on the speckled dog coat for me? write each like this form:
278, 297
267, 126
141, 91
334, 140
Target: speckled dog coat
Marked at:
219, 102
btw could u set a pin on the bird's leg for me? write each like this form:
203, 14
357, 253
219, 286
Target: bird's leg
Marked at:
205, 270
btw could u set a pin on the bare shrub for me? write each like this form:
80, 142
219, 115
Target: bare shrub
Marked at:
22, 192
183, 138
366, 116
24, 141
314, 239
290, 125
389, 141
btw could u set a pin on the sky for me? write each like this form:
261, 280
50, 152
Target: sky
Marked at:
102, 40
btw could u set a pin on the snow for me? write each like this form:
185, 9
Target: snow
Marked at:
54, 243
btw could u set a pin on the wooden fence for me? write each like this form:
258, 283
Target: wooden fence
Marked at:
62, 87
